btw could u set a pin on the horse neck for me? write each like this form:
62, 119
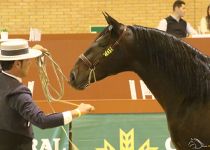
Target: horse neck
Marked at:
159, 84
167, 75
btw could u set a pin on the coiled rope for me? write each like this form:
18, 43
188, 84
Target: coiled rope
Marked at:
48, 88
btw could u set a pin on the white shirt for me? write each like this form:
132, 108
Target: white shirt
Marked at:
163, 26
203, 25
67, 115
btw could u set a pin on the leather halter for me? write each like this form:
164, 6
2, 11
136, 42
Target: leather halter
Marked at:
91, 65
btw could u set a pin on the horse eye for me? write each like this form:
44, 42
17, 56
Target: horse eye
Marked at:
103, 44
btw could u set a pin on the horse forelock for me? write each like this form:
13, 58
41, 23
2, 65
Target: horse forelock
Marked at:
185, 65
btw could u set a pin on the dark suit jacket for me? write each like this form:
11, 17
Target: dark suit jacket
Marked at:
17, 109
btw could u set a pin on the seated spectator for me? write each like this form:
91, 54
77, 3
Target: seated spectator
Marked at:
205, 22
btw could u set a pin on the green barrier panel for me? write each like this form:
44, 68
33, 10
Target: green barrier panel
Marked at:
96, 29
121, 132
50, 139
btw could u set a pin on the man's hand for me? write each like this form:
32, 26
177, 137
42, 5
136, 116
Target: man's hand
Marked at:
82, 109
39, 47
85, 108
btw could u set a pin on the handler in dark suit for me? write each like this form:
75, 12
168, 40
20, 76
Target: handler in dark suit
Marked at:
17, 109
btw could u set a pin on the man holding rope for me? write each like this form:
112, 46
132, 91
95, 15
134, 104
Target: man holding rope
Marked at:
17, 109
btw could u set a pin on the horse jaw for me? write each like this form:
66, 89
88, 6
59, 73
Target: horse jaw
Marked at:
79, 86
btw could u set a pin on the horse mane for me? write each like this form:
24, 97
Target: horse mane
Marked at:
186, 67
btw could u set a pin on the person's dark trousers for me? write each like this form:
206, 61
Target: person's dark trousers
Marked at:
10, 141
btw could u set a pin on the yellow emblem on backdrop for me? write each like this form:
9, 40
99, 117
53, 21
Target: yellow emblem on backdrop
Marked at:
107, 146
146, 146
127, 142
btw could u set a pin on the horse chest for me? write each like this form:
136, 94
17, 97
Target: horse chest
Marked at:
184, 128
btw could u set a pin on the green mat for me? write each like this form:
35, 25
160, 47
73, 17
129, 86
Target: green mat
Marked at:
138, 132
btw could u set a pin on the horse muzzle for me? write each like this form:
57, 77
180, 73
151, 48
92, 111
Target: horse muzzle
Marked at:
76, 83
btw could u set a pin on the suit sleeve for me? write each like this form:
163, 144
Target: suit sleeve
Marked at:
21, 101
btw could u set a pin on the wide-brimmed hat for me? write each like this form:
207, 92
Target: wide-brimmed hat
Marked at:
17, 49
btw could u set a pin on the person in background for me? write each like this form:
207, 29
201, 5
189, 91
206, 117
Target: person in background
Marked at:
17, 110
205, 22
174, 24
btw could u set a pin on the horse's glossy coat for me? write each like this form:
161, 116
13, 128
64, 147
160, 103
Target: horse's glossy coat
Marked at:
176, 73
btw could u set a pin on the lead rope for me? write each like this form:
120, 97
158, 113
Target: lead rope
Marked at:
47, 86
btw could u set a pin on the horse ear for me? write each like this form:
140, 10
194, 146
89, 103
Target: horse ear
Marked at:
106, 17
111, 21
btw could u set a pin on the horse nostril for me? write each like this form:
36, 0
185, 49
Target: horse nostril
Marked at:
72, 76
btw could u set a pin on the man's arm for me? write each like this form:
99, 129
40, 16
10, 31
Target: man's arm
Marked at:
21, 101
191, 30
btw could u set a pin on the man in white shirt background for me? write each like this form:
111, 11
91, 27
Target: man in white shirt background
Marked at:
174, 24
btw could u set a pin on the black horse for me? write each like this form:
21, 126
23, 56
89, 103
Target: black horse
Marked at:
177, 74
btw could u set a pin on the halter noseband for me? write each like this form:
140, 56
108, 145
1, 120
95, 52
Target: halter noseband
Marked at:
91, 65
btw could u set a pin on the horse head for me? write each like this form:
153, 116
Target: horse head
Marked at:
106, 56
176, 73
